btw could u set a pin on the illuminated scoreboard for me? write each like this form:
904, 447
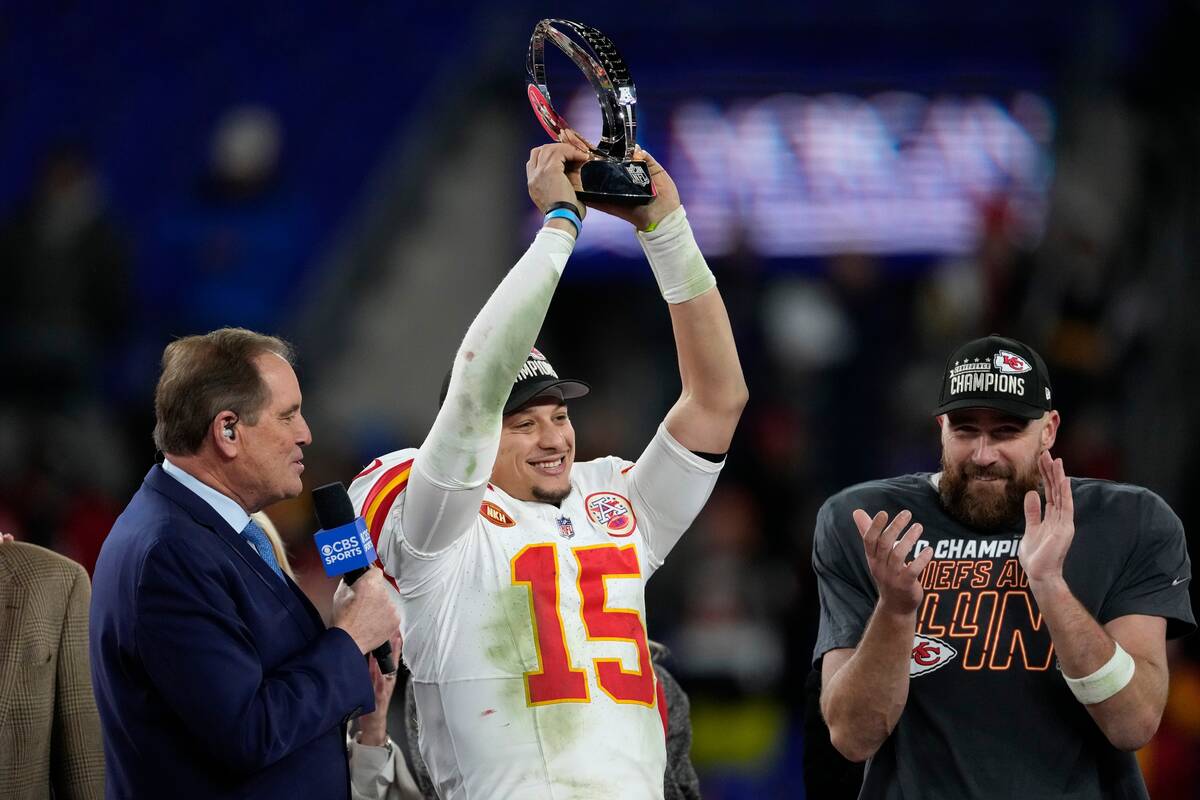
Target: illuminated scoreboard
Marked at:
794, 175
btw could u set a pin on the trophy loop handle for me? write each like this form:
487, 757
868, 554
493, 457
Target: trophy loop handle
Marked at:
605, 70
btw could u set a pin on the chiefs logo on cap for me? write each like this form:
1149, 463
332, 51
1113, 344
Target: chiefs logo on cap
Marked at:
929, 654
612, 512
1010, 363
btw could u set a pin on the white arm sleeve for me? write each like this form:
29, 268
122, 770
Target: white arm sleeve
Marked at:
449, 475
670, 484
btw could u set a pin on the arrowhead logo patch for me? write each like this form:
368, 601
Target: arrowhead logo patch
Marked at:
929, 654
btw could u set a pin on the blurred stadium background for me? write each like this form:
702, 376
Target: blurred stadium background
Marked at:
872, 184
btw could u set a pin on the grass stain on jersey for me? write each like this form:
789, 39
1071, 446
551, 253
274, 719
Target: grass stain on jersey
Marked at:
505, 639
559, 725
584, 790
509, 646
503, 644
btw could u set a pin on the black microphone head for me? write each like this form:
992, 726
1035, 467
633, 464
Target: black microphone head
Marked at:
332, 505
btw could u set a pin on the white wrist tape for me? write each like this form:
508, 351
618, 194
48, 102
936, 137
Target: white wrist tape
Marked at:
677, 263
1104, 682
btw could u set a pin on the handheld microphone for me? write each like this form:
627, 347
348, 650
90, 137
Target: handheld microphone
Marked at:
346, 548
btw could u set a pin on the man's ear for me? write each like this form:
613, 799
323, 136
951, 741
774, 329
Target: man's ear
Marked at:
1050, 429
224, 434
940, 422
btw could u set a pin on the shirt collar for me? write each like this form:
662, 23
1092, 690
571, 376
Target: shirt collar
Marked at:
225, 506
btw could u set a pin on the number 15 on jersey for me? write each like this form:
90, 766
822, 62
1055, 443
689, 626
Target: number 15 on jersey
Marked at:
556, 680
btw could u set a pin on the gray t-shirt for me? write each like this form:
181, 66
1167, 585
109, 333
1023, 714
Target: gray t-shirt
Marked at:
988, 712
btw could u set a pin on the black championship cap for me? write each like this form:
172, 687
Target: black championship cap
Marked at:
995, 372
536, 378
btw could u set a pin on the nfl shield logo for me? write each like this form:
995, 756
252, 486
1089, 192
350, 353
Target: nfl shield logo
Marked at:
566, 528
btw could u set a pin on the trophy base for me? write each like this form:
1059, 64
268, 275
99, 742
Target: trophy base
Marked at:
624, 183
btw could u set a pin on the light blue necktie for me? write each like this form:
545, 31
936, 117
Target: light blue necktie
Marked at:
257, 537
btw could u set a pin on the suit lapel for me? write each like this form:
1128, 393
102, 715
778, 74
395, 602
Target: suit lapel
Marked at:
287, 592
10, 635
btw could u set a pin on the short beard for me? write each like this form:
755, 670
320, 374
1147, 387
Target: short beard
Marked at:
553, 497
984, 510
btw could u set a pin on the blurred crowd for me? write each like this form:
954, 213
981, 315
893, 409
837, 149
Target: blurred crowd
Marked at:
843, 357
74, 316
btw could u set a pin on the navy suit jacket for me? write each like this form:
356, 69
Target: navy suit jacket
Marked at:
214, 678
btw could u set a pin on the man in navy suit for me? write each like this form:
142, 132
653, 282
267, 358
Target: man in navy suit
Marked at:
214, 675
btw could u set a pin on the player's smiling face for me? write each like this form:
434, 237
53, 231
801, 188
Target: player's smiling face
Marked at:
989, 462
537, 449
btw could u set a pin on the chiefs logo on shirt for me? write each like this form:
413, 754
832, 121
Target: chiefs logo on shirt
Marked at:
929, 654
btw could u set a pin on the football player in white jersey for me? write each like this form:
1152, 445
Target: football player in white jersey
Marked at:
522, 573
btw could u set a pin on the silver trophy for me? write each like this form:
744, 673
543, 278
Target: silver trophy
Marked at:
613, 176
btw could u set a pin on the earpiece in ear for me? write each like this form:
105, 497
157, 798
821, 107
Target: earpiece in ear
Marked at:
228, 432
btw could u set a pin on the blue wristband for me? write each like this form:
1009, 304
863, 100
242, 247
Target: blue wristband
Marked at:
569, 215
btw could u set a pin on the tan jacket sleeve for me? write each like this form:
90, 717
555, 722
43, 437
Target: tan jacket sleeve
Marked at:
77, 752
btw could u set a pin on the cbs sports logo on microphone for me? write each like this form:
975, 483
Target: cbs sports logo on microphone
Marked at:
345, 547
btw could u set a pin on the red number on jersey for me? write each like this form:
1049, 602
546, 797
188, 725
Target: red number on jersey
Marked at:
596, 565
554, 681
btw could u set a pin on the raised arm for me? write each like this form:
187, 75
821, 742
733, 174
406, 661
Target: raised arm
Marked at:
450, 473
714, 389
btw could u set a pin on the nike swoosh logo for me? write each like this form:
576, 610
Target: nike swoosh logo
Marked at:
1178, 581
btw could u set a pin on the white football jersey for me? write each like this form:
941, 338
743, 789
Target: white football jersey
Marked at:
526, 637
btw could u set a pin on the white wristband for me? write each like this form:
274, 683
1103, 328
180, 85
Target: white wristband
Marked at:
677, 263
1104, 682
